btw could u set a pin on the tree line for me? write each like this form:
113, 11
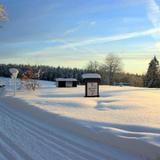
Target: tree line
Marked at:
111, 71
46, 72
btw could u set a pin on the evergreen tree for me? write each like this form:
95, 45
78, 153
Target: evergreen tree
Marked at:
152, 78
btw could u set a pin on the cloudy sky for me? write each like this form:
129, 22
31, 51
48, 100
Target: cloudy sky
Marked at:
72, 32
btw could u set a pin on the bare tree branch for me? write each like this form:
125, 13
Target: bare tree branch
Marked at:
3, 15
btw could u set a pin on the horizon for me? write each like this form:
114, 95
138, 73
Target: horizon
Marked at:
32, 65
70, 34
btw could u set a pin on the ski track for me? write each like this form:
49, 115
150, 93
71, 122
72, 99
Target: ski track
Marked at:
53, 141
5, 152
55, 145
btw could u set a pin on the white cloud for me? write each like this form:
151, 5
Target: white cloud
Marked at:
71, 30
154, 17
78, 27
154, 13
107, 39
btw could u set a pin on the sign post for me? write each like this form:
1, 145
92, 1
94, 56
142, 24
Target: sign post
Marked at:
92, 81
14, 73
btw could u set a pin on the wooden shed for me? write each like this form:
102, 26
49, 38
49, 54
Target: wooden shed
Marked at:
92, 81
66, 82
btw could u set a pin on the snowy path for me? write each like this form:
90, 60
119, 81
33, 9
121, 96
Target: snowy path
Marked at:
23, 137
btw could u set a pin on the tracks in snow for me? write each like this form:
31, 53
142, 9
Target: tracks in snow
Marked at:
26, 139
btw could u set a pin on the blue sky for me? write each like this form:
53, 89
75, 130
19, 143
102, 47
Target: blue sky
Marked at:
72, 32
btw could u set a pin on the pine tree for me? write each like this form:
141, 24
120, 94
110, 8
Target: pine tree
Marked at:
152, 78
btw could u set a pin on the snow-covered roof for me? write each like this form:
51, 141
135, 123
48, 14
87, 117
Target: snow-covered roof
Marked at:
66, 79
91, 75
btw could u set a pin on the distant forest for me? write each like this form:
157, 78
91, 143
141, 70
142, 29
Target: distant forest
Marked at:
46, 72
51, 73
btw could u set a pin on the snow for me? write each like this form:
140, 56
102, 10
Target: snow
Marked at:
1, 84
91, 75
60, 123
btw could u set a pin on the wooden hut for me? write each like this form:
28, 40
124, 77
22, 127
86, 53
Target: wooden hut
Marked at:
66, 82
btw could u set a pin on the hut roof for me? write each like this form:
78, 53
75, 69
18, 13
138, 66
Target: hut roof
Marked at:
91, 75
66, 79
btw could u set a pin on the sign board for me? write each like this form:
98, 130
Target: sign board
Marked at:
14, 72
92, 89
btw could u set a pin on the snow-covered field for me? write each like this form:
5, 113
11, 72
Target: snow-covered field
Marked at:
60, 123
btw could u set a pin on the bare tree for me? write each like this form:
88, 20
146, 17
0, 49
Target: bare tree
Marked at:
113, 65
3, 16
92, 66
